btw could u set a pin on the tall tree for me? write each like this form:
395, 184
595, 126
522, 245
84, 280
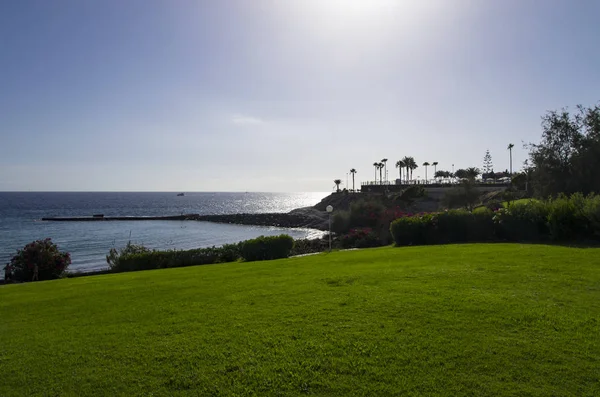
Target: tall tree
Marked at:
380, 166
435, 164
406, 161
510, 148
426, 164
376, 165
384, 161
413, 166
337, 184
400, 165
353, 171
567, 159
488, 166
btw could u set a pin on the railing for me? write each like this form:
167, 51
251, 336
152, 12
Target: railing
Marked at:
432, 182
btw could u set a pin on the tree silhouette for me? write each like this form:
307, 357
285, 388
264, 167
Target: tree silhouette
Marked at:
384, 161
488, 166
472, 173
426, 164
406, 161
435, 164
380, 166
337, 184
461, 173
413, 166
400, 165
353, 171
376, 165
510, 148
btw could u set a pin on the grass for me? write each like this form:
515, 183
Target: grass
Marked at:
480, 320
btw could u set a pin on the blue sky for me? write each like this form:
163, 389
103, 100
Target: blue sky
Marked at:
268, 95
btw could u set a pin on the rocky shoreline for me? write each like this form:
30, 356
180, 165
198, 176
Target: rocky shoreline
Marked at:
299, 218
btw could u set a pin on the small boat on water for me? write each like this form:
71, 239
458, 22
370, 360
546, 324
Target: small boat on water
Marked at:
180, 194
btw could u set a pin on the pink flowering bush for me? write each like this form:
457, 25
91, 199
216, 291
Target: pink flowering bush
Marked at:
360, 238
50, 261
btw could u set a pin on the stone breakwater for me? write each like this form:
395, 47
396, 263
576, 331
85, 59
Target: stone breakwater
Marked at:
300, 218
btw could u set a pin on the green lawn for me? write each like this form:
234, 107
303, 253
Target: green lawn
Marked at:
480, 320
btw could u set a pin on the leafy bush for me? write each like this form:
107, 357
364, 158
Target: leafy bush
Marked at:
523, 221
114, 255
366, 213
50, 261
266, 248
340, 222
145, 259
465, 195
309, 246
575, 218
566, 218
591, 210
360, 238
408, 231
411, 193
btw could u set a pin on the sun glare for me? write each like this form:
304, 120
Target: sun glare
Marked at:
353, 16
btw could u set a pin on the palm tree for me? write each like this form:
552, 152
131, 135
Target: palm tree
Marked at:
384, 161
353, 171
413, 166
472, 173
510, 148
435, 164
376, 165
426, 164
400, 165
380, 166
406, 162
337, 184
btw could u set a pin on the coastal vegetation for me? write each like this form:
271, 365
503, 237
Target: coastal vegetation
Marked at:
38, 260
564, 219
484, 319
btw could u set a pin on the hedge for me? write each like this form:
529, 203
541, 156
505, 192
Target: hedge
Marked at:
134, 257
564, 219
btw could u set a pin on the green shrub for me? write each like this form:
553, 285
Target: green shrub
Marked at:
114, 255
591, 210
266, 248
411, 193
566, 218
482, 227
465, 195
136, 257
309, 246
51, 263
461, 226
408, 231
340, 222
575, 218
523, 221
366, 213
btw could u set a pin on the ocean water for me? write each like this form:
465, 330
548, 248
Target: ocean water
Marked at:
89, 242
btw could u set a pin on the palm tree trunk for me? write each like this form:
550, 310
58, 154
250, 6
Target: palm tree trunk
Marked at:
353, 181
510, 150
